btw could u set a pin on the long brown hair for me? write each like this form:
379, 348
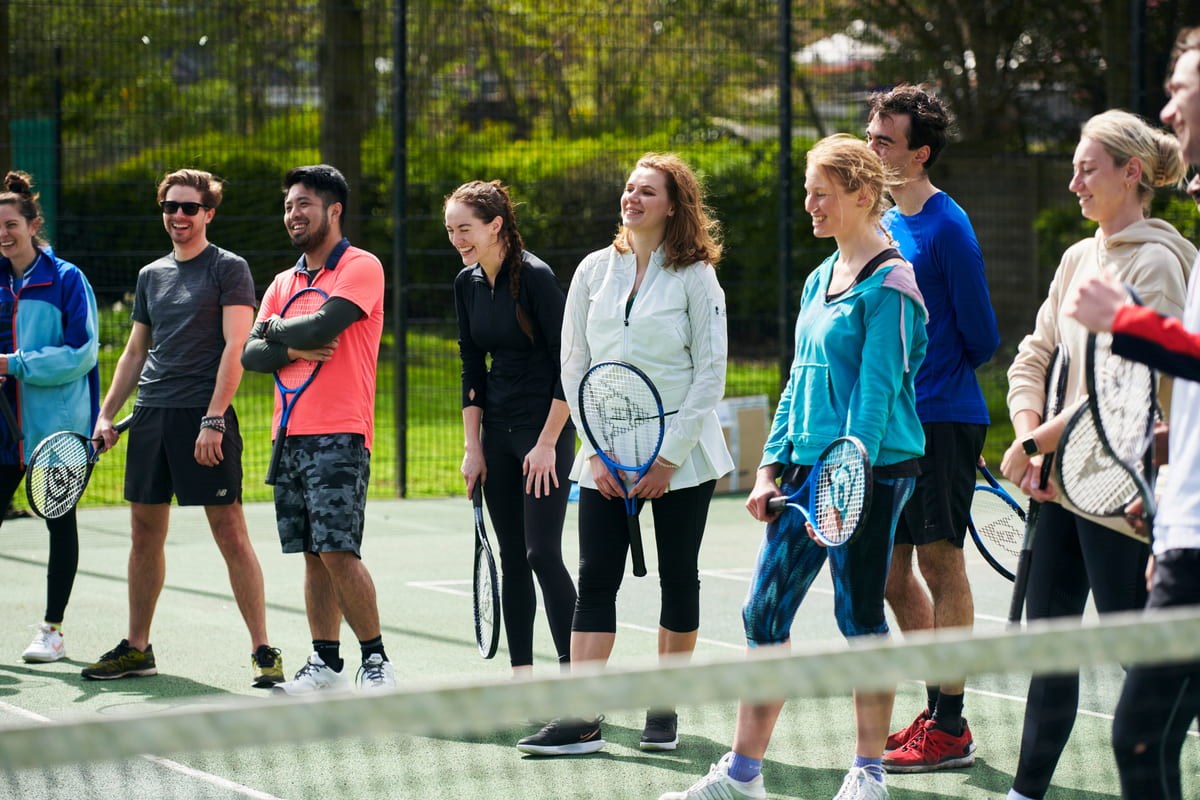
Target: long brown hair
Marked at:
488, 200
692, 233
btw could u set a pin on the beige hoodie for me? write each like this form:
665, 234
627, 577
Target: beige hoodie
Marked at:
1153, 258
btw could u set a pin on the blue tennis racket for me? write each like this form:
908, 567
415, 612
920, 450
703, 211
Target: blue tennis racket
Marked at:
836, 496
622, 416
996, 525
294, 377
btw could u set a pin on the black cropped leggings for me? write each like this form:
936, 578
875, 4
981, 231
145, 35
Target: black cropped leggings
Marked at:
64, 547
679, 519
529, 530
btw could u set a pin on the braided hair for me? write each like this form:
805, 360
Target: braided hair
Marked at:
488, 200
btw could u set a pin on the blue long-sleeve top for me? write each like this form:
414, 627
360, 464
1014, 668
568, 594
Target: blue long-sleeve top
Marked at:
49, 327
963, 335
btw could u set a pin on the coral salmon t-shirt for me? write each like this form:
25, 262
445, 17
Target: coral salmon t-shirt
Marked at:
341, 399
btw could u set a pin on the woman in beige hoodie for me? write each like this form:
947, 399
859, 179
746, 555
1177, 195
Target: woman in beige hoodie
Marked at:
1118, 163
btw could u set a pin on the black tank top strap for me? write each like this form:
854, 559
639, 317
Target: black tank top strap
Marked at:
869, 268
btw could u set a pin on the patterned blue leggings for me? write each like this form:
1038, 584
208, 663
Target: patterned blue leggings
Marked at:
789, 561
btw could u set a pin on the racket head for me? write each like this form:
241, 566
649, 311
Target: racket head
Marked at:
997, 526
841, 494
1121, 395
622, 415
295, 375
485, 593
57, 472
1090, 478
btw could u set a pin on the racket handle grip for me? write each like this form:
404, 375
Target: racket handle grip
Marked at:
777, 504
276, 455
636, 553
1020, 585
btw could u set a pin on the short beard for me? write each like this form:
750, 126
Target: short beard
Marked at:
312, 238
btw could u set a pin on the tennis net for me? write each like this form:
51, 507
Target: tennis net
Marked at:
455, 739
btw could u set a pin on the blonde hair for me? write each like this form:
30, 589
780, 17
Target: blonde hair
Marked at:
854, 165
692, 233
1125, 136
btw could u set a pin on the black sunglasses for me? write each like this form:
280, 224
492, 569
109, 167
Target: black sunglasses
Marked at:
190, 209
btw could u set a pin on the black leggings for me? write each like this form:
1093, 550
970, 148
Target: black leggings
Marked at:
64, 547
679, 519
529, 530
1070, 556
1159, 703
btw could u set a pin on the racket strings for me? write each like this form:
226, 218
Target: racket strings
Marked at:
1089, 477
840, 493
1124, 401
629, 427
57, 474
998, 523
294, 374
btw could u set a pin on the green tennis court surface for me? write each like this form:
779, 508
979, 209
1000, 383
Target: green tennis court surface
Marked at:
419, 553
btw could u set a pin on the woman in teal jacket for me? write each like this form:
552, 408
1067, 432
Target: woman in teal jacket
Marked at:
48, 360
860, 339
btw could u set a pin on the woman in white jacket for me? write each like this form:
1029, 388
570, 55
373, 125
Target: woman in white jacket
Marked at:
1118, 163
652, 299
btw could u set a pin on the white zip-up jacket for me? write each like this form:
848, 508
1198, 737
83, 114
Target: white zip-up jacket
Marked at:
675, 332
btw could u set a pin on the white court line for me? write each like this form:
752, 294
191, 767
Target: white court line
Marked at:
174, 766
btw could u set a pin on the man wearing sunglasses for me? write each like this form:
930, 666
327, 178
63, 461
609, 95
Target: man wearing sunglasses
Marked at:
191, 316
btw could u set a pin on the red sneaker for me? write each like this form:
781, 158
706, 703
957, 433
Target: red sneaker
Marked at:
900, 738
932, 749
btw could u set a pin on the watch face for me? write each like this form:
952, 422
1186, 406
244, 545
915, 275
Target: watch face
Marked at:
1030, 446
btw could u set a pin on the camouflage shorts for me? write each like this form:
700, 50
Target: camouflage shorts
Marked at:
321, 493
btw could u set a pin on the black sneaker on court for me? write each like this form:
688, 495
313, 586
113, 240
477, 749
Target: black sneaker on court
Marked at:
267, 665
569, 736
122, 661
661, 731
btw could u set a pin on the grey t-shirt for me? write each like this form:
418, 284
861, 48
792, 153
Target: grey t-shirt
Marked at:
182, 303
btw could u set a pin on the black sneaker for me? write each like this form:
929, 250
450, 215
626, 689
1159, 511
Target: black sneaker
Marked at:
122, 661
569, 736
661, 731
267, 664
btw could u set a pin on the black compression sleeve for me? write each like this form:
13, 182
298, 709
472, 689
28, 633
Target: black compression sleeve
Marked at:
316, 329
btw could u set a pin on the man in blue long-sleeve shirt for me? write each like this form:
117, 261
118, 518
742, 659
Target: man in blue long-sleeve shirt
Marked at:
908, 127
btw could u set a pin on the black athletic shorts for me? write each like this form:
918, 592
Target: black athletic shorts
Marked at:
160, 459
941, 504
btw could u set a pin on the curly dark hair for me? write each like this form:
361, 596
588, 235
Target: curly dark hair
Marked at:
930, 119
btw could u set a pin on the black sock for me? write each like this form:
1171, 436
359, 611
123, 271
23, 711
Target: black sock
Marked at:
949, 714
931, 695
373, 646
329, 652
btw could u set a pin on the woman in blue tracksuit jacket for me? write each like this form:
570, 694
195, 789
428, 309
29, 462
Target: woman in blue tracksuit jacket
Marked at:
49, 342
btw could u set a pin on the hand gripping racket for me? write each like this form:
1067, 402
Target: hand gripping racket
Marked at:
1123, 403
294, 377
58, 471
996, 525
1056, 384
836, 496
623, 418
486, 594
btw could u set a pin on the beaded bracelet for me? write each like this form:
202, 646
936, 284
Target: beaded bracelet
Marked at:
213, 423
662, 462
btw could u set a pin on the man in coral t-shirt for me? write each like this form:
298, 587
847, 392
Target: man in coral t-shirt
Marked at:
321, 481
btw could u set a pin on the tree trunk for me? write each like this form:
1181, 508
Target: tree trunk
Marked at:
342, 59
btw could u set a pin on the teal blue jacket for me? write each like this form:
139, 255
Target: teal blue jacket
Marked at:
854, 370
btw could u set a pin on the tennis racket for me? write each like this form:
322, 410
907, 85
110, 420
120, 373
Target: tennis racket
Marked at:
1123, 403
486, 594
1056, 383
58, 471
1088, 475
294, 377
10, 419
623, 418
836, 495
996, 525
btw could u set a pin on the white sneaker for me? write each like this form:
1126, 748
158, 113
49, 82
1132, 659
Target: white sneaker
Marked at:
314, 676
376, 674
47, 645
859, 785
717, 785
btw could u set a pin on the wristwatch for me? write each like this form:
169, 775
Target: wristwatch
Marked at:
1030, 446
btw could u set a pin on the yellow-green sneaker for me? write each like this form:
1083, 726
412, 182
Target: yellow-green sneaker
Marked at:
122, 661
268, 666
